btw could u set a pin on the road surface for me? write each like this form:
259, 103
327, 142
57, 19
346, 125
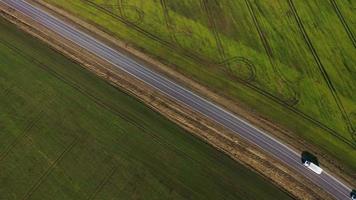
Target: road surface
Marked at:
247, 131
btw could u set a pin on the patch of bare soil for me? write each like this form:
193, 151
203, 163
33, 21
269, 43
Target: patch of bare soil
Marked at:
197, 124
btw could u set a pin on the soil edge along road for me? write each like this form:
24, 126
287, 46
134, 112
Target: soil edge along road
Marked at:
176, 92
70, 120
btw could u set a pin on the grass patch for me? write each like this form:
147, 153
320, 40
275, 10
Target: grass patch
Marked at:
291, 61
65, 134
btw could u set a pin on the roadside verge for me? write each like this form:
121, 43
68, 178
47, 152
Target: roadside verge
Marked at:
194, 122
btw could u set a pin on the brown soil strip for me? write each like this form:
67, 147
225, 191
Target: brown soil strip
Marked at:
282, 134
197, 124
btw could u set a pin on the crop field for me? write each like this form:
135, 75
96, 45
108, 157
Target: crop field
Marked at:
66, 134
291, 61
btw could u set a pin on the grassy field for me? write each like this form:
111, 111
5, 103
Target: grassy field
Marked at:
65, 134
292, 61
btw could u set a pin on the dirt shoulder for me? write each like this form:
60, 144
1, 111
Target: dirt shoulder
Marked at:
214, 134
289, 138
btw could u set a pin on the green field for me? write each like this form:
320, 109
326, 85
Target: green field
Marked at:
66, 134
293, 61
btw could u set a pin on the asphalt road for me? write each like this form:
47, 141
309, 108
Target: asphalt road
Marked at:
247, 131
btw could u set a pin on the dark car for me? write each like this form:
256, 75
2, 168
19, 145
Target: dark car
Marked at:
353, 195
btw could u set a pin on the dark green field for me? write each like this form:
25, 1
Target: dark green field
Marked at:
293, 61
65, 134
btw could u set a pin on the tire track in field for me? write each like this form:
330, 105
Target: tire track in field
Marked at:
24, 134
212, 23
107, 107
120, 6
243, 82
6, 90
173, 35
264, 93
343, 22
110, 108
323, 72
248, 64
188, 54
168, 22
185, 52
294, 99
150, 166
97, 101
70, 83
102, 183
154, 170
225, 62
43, 177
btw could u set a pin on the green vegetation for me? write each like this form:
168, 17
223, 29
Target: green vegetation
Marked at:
66, 134
292, 61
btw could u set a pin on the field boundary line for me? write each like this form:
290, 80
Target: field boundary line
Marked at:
43, 177
150, 35
93, 98
167, 21
323, 71
120, 6
24, 134
343, 22
103, 183
256, 89
307, 117
173, 36
211, 21
104, 105
224, 60
109, 108
294, 99
129, 156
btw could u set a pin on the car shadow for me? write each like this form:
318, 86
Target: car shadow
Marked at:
307, 156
